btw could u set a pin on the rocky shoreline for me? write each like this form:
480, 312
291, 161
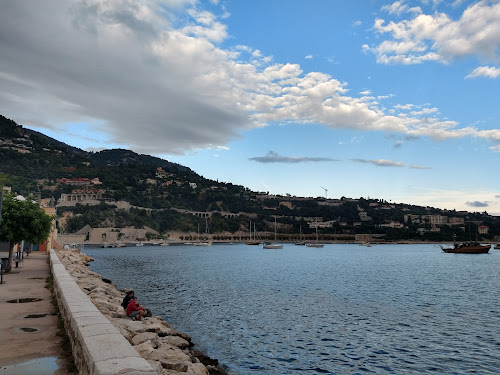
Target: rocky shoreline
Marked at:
167, 350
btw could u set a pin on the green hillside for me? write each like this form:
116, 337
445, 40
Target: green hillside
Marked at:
167, 196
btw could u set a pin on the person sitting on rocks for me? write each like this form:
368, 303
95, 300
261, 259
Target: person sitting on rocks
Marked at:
128, 297
134, 310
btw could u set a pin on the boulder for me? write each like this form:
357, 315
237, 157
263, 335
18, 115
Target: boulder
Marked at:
157, 367
177, 341
134, 327
145, 349
171, 353
145, 336
197, 369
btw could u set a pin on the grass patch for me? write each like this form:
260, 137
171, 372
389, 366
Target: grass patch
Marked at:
67, 353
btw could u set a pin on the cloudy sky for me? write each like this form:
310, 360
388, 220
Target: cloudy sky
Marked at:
397, 100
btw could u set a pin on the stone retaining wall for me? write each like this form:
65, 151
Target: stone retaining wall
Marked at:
98, 347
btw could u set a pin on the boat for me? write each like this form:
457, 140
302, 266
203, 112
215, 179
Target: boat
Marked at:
139, 244
202, 243
300, 242
367, 244
164, 244
467, 248
497, 246
315, 244
271, 245
470, 247
252, 240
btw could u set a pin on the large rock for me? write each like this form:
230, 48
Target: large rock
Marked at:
145, 336
175, 341
134, 327
197, 369
145, 349
171, 353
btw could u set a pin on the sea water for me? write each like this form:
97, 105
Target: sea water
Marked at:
340, 309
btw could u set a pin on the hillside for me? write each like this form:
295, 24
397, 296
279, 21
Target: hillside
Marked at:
119, 188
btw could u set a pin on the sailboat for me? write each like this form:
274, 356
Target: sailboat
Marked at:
315, 244
270, 245
252, 241
203, 243
300, 242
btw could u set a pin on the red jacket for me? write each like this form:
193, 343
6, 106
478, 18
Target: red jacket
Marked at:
132, 306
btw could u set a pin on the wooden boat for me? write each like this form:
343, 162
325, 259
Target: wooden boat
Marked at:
467, 248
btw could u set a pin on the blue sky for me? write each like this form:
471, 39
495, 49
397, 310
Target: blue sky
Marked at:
396, 100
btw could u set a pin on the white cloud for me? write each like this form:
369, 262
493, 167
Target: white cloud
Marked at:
438, 38
485, 71
399, 7
388, 163
159, 89
309, 57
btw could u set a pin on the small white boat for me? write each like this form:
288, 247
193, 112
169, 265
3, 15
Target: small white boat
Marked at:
139, 244
367, 244
203, 243
315, 244
271, 245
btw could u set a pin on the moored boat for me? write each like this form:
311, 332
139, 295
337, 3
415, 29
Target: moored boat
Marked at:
271, 245
467, 248
315, 244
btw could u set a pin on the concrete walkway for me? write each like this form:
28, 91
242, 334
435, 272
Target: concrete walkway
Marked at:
28, 339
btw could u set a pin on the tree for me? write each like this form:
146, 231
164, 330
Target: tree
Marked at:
23, 220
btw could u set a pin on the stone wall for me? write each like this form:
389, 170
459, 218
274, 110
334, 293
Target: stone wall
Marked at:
98, 347
95, 320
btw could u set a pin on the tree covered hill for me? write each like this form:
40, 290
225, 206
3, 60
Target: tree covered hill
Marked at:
168, 196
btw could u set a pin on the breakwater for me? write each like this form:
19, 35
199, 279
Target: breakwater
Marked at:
104, 340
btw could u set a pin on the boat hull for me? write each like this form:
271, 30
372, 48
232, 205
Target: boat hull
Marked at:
475, 249
272, 246
314, 245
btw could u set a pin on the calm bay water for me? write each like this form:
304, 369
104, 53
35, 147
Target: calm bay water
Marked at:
341, 309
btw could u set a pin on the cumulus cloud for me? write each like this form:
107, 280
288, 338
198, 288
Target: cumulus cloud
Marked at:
126, 69
477, 204
388, 163
439, 38
273, 157
485, 71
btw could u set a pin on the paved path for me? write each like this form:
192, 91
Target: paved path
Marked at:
25, 338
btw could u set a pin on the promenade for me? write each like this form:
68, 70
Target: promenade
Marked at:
28, 331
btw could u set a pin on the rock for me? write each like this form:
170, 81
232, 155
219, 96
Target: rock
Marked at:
167, 352
159, 329
206, 360
197, 369
175, 341
134, 327
157, 367
176, 366
145, 336
145, 349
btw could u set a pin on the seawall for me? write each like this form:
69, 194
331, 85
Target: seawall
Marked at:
104, 340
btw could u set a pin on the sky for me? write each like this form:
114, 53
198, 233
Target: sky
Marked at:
394, 100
